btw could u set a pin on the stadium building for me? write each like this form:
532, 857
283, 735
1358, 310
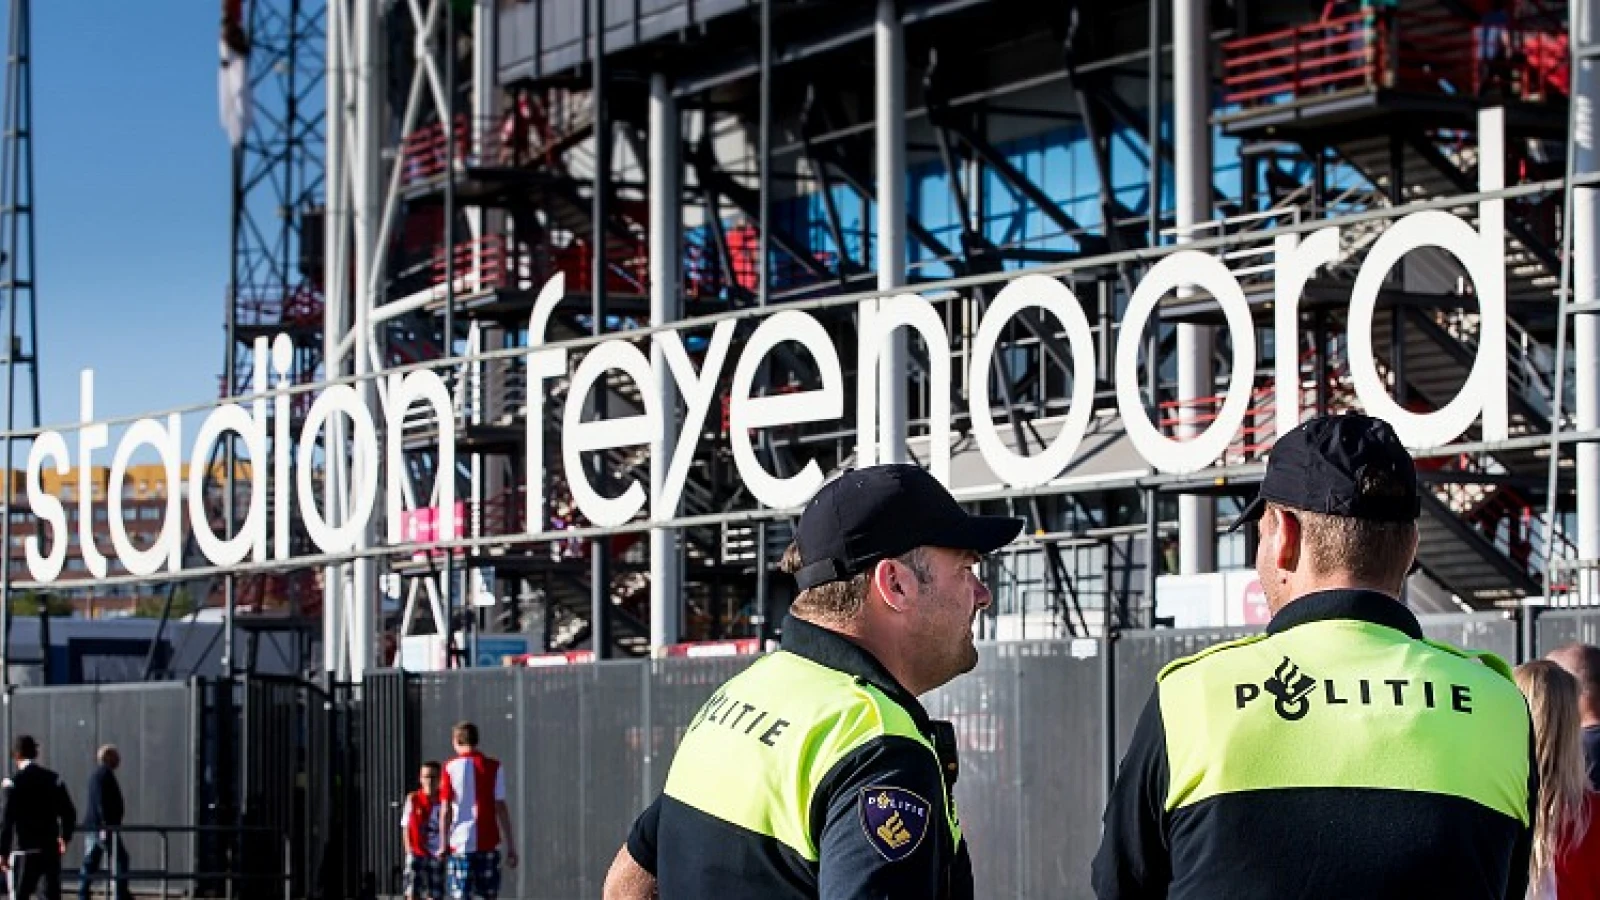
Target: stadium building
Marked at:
726, 160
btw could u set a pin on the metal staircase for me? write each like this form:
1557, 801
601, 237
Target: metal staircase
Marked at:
1436, 366
1480, 528
1461, 544
567, 597
1466, 562
1441, 164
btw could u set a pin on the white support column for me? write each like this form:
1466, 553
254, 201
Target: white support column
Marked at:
485, 92
485, 111
890, 112
494, 485
335, 278
366, 188
666, 225
1197, 516
1586, 288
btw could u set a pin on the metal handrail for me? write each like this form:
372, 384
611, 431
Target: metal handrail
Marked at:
489, 141
1340, 53
229, 878
1261, 70
1526, 357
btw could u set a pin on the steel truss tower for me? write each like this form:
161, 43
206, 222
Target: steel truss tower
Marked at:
275, 283
355, 203
17, 273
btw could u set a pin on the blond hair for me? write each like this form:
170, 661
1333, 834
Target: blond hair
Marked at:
1558, 748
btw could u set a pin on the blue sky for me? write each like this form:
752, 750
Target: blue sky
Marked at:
132, 191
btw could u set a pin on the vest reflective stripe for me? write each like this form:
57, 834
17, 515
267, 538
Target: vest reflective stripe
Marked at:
756, 752
1344, 703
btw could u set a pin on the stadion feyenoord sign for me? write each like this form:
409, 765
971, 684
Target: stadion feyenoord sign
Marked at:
1479, 251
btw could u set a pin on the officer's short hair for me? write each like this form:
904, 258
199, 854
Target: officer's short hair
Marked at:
465, 733
840, 601
1365, 549
105, 751
25, 747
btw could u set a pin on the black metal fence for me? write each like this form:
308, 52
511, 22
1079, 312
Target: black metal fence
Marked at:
587, 746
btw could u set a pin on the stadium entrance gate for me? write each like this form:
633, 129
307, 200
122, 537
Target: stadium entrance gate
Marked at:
243, 787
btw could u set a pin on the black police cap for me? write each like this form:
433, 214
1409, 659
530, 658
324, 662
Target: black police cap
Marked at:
872, 514
1350, 465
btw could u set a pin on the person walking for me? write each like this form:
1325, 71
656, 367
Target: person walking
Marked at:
1566, 837
816, 773
473, 818
35, 825
1340, 753
419, 829
1582, 661
102, 820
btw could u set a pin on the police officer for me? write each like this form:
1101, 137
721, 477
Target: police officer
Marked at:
815, 772
1341, 753
35, 826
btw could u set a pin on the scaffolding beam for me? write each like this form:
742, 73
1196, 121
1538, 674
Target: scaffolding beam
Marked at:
1197, 515
1585, 204
666, 305
889, 41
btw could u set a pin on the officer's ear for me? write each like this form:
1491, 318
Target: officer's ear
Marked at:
1287, 532
893, 581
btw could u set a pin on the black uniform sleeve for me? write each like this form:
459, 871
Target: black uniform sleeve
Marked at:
1135, 860
883, 830
65, 812
642, 839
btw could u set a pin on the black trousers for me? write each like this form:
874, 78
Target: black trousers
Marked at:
36, 874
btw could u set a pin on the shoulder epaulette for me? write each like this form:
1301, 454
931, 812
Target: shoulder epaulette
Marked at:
1179, 663
1490, 660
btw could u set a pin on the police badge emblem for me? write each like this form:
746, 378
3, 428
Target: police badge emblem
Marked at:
895, 820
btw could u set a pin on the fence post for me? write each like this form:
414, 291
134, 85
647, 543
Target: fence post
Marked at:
1527, 620
647, 740
524, 778
1108, 690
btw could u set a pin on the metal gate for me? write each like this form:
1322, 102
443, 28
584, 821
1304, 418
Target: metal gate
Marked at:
299, 754
392, 755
